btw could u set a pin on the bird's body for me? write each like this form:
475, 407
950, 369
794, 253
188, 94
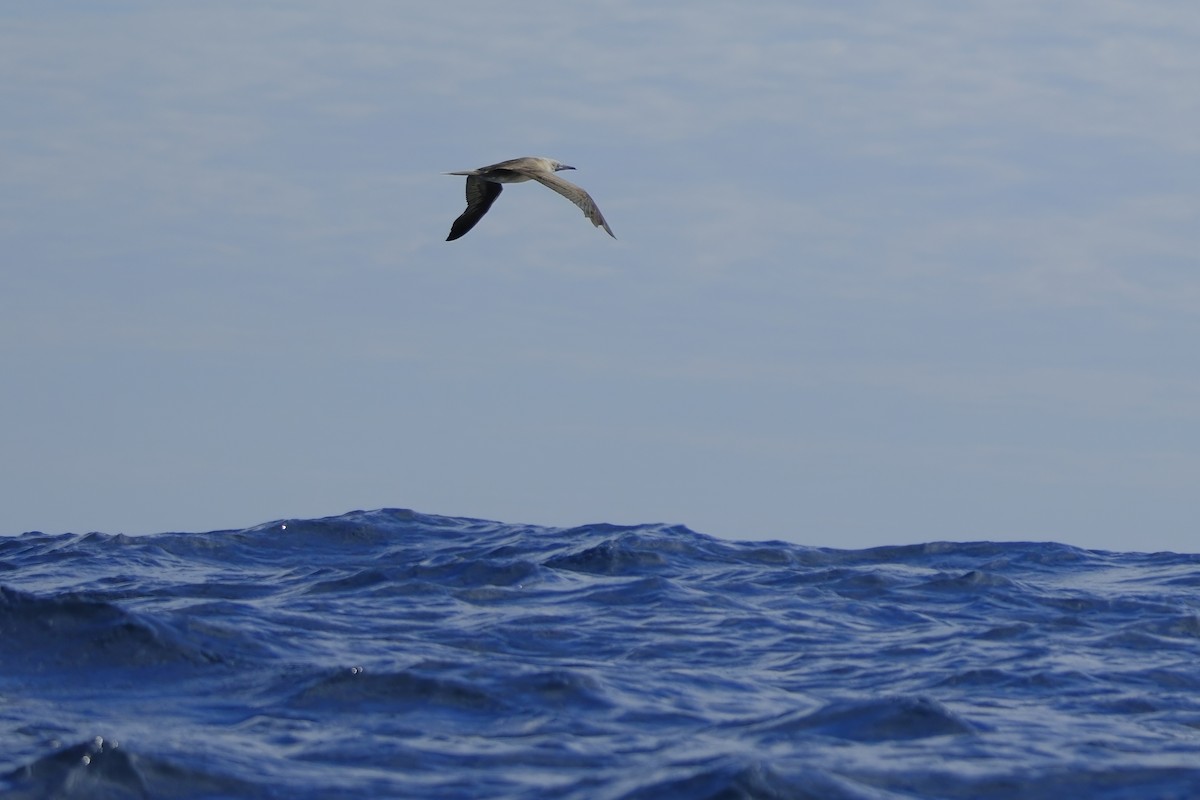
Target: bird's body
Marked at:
485, 184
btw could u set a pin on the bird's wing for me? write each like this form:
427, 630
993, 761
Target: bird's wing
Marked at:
480, 196
520, 164
573, 193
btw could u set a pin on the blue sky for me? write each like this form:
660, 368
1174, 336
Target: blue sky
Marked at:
886, 272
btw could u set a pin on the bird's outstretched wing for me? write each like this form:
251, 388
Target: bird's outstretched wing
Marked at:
480, 196
573, 193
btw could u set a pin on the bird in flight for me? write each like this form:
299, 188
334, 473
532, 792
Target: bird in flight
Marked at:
484, 186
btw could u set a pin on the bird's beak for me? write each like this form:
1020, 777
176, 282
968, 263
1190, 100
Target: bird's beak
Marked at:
564, 166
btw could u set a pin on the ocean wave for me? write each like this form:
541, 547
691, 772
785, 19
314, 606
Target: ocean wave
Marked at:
396, 654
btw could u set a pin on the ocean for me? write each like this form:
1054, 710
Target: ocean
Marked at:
394, 654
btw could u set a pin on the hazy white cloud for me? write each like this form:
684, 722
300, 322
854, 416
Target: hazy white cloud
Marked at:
852, 238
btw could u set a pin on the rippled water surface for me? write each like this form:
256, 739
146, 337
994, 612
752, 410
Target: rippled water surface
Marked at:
396, 654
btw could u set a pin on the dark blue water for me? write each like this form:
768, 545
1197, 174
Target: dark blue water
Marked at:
395, 654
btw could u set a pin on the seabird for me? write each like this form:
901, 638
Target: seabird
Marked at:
484, 186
